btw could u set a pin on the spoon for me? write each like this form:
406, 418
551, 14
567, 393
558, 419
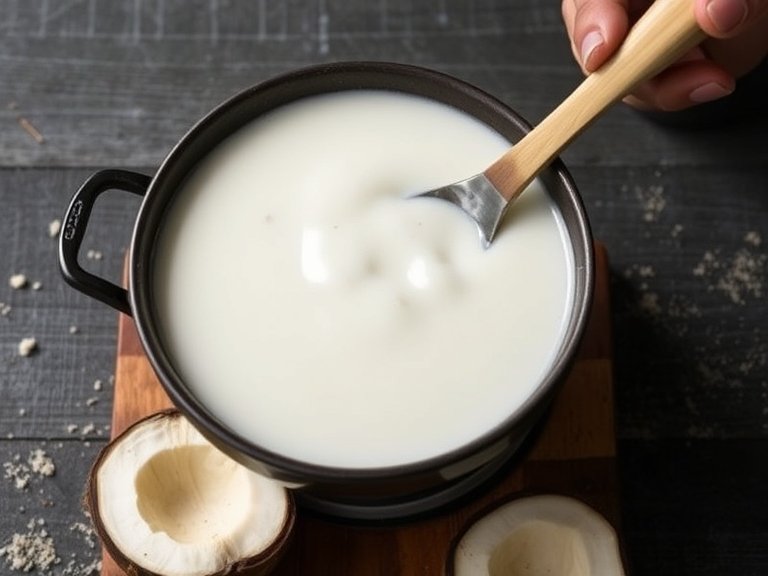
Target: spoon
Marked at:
664, 33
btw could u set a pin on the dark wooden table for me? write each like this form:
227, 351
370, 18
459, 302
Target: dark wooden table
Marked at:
682, 209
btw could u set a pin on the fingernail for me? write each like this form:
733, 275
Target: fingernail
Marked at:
591, 42
708, 92
726, 14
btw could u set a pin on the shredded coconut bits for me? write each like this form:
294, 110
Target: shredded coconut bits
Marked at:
21, 472
32, 550
27, 346
18, 281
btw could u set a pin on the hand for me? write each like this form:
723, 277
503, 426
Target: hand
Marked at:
738, 42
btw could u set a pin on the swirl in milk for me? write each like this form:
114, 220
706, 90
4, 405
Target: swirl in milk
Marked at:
322, 315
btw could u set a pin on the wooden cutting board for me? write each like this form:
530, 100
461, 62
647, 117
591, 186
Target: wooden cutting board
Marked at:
572, 453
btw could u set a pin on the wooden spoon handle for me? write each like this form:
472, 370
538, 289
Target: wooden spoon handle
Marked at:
665, 32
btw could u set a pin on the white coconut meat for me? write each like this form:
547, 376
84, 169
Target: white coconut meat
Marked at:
538, 536
173, 504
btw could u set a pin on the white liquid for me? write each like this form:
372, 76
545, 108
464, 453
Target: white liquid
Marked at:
324, 317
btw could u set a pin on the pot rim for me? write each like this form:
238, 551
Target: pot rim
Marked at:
281, 90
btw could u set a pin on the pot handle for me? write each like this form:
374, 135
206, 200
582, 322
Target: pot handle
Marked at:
73, 232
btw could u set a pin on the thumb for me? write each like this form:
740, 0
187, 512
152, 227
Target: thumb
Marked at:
729, 18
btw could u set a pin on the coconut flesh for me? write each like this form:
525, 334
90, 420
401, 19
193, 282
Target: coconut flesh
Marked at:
166, 501
538, 536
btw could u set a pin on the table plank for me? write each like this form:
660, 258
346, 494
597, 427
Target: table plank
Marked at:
123, 70
117, 83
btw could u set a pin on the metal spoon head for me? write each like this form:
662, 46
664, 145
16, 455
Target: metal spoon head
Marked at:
478, 198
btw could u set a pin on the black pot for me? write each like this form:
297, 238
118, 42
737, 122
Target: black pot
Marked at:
366, 494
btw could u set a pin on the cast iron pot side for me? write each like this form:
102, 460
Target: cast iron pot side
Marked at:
371, 492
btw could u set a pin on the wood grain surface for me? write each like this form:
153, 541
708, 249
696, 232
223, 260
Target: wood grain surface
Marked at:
573, 453
679, 200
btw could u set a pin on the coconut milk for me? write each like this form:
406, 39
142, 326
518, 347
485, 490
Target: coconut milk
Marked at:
321, 315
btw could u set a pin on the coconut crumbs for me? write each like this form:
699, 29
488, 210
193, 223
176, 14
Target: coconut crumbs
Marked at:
20, 472
54, 227
652, 200
27, 346
18, 281
31, 550
738, 276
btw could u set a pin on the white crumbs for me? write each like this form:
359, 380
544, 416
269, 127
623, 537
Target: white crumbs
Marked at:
652, 200
20, 472
89, 565
41, 463
753, 238
29, 546
31, 550
649, 303
738, 276
54, 227
18, 281
27, 346
644, 273
87, 429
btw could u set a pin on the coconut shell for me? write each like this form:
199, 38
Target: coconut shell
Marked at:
257, 565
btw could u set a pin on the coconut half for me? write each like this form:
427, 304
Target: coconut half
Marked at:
165, 501
537, 536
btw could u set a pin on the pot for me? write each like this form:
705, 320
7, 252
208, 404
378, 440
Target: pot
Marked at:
379, 493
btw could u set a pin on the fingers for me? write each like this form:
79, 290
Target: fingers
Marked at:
596, 28
741, 54
693, 80
729, 18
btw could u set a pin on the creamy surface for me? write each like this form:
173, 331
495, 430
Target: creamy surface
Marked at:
321, 315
